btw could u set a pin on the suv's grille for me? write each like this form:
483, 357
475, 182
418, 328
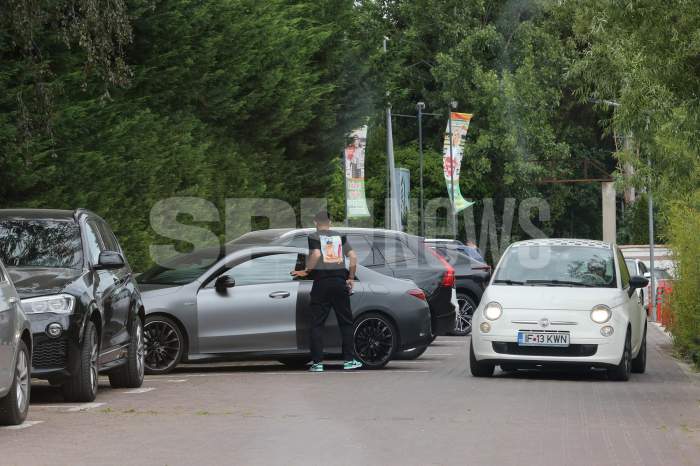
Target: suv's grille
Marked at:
49, 354
571, 350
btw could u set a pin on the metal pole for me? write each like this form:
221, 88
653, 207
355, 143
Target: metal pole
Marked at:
652, 279
394, 214
420, 107
452, 177
345, 179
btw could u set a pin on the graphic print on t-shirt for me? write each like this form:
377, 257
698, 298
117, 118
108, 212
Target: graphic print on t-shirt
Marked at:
332, 249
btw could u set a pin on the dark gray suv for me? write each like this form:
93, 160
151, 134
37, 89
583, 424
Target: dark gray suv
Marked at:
15, 354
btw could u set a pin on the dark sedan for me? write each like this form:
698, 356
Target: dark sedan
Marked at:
246, 305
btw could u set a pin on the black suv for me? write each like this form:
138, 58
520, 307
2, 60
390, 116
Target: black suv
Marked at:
389, 252
79, 294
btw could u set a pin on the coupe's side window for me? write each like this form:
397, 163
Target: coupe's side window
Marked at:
395, 250
364, 251
624, 272
642, 269
274, 268
94, 243
110, 240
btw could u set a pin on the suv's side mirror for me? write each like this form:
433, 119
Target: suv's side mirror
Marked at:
110, 260
223, 283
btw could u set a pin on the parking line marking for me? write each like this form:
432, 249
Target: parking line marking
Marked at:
176, 380
137, 391
72, 408
22, 426
439, 354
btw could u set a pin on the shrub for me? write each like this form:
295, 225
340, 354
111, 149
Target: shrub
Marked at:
683, 228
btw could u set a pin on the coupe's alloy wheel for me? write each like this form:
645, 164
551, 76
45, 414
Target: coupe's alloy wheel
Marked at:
22, 382
374, 341
93, 362
162, 345
464, 315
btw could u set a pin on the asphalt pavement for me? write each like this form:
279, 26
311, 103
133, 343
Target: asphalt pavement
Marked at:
425, 412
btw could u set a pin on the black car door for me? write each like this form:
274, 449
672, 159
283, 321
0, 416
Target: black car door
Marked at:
123, 294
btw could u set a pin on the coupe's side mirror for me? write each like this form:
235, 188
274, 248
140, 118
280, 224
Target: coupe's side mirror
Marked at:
110, 260
223, 283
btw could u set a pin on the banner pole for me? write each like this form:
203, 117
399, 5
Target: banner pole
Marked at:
345, 180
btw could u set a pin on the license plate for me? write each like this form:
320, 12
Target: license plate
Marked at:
543, 338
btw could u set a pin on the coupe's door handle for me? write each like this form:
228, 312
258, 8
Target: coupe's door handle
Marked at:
279, 294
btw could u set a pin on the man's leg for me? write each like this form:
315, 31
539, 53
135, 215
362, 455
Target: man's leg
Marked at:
320, 308
341, 304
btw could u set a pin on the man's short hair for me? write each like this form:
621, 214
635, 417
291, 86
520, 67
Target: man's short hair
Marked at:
322, 217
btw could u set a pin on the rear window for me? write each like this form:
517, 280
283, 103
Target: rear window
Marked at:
40, 243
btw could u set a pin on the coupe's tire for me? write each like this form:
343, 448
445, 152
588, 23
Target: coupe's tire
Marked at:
375, 340
295, 363
465, 311
622, 371
411, 355
639, 364
130, 375
82, 385
479, 369
15, 405
165, 345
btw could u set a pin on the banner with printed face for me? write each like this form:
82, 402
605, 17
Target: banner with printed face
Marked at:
355, 174
451, 164
403, 181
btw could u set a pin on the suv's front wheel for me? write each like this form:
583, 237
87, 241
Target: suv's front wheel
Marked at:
130, 374
82, 385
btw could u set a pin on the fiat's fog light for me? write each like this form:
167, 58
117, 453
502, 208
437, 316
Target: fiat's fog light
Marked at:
485, 327
607, 331
54, 330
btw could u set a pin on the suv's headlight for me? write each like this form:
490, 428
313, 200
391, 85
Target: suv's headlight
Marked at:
600, 314
56, 304
493, 311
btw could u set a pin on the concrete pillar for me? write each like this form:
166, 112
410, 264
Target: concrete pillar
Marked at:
609, 214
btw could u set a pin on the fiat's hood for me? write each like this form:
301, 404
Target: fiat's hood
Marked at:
39, 281
552, 297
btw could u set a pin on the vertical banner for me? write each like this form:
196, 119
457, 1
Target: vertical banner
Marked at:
403, 181
451, 165
356, 203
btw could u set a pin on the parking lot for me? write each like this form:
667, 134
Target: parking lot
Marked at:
428, 411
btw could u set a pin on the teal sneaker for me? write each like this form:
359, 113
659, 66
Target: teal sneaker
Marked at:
352, 365
317, 367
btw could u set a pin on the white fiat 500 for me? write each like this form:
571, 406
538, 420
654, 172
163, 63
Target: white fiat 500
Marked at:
560, 301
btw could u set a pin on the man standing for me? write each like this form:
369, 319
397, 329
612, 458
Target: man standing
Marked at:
331, 288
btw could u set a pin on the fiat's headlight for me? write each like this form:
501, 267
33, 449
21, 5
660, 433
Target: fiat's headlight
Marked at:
493, 311
601, 314
55, 304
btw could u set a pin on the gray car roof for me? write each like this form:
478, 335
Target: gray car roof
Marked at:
563, 242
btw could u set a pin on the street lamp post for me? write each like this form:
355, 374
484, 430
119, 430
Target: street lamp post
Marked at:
421, 106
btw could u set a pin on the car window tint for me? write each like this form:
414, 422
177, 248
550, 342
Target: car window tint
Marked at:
93, 241
624, 272
274, 268
364, 251
642, 268
394, 250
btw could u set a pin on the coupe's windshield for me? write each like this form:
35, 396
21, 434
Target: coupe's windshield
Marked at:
181, 270
40, 243
550, 265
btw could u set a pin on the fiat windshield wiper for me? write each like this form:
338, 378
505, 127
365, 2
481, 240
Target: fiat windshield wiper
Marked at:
509, 282
558, 283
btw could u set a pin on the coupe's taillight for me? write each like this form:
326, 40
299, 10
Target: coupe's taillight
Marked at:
448, 278
416, 293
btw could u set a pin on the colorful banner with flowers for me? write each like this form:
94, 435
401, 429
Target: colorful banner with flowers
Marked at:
451, 164
355, 174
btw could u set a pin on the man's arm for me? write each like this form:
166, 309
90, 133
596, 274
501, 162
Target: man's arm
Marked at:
314, 256
353, 264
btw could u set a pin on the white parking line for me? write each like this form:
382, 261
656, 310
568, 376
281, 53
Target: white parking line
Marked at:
439, 354
136, 391
22, 426
71, 408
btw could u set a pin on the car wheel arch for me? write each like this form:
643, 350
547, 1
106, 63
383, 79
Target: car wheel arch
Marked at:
181, 327
26, 337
